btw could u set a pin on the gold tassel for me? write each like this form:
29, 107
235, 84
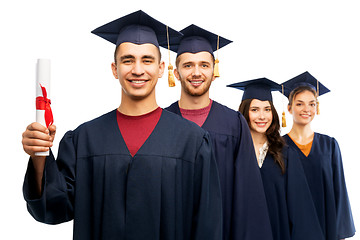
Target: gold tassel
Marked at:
317, 101
317, 108
283, 120
171, 79
216, 66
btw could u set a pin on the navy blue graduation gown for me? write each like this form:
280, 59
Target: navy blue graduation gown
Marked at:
324, 172
244, 204
291, 209
168, 190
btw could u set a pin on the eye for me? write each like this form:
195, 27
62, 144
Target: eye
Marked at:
127, 61
205, 65
148, 61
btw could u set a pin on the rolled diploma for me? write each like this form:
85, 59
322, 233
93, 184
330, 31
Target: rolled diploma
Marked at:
43, 78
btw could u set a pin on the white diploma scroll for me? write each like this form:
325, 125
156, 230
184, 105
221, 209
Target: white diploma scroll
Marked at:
42, 84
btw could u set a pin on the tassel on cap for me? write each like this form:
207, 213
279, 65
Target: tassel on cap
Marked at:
317, 101
283, 119
171, 79
216, 66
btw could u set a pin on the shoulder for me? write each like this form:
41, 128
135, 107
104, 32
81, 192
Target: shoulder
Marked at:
225, 120
174, 107
177, 124
98, 122
324, 139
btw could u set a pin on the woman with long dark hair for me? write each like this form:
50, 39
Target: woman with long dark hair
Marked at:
291, 211
320, 157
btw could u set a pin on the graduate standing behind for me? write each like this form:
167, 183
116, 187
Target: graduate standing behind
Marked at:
137, 172
291, 210
244, 204
321, 158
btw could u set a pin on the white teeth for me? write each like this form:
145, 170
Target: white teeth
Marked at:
196, 82
138, 81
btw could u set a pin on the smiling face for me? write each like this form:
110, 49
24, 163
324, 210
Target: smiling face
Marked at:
303, 107
260, 116
195, 71
138, 68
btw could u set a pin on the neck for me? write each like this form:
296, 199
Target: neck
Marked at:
301, 133
258, 138
194, 102
135, 107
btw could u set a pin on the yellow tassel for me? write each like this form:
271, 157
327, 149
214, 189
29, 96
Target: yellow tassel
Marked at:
283, 124
171, 79
317, 108
216, 68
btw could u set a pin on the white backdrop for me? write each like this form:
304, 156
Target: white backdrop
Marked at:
274, 39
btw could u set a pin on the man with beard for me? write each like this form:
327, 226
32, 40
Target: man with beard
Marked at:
245, 214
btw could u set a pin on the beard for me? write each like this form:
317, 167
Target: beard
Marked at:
195, 91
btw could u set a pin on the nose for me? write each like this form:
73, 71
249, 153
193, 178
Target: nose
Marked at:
137, 69
261, 115
196, 72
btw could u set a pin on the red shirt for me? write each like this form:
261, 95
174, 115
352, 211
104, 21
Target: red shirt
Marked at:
197, 116
136, 129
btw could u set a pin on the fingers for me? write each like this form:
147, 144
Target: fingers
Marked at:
36, 138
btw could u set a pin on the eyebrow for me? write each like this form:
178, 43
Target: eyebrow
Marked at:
304, 101
133, 57
192, 62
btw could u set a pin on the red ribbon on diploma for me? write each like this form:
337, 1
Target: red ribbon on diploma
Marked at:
43, 103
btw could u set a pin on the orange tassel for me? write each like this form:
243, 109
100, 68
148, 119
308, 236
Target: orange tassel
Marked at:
283, 120
216, 68
317, 108
171, 79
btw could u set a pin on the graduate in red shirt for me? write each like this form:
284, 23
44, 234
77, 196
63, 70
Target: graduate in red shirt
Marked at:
137, 172
244, 205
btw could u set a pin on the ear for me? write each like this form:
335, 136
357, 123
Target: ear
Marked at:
161, 69
289, 109
177, 75
114, 70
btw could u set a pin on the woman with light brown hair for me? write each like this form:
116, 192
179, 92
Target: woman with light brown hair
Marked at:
320, 157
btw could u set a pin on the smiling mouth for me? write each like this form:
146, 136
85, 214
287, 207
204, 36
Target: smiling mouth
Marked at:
196, 82
261, 124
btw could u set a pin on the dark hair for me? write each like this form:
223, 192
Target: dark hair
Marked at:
298, 90
276, 142
116, 50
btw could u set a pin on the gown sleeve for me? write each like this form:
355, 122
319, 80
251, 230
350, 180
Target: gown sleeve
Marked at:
344, 220
55, 205
207, 220
251, 219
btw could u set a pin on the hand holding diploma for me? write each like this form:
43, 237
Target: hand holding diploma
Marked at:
39, 136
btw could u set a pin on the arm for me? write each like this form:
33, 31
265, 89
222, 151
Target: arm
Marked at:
38, 138
49, 185
344, 219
